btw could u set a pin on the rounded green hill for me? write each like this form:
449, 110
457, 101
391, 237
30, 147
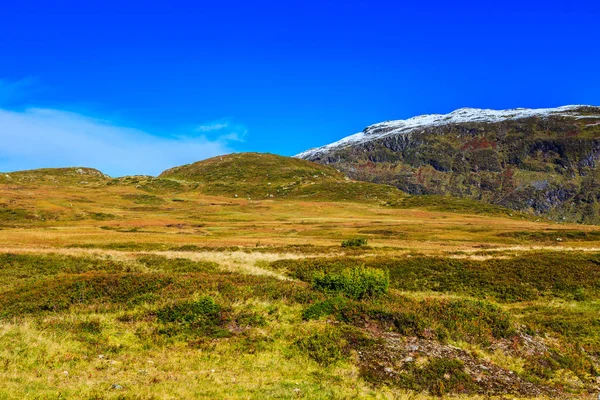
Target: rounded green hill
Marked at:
70, 175
250, 168
260, 175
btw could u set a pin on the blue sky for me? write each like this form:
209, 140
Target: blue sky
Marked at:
143, 86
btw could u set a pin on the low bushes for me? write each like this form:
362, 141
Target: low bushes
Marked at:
334, 343
462, 320
438, 376
55, 294
200, 310
356, 242
358, 283
523, 278
324, 347
203, 316
23, 266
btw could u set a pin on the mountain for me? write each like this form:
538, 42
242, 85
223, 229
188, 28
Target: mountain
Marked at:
543, 161
262, 175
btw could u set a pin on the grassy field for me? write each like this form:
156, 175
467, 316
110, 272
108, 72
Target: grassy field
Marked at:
146, 288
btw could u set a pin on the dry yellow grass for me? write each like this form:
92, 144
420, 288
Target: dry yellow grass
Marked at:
218, 222
40, 362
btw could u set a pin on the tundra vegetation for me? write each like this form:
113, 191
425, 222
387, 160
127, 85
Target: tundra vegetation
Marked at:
183, 287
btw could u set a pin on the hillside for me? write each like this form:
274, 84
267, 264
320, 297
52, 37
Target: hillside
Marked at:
261, 175
147, 287
48, 195
542, 161
64, 176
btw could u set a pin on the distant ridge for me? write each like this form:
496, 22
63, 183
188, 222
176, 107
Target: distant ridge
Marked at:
462, 115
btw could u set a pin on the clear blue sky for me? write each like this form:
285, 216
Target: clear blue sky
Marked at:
132, 88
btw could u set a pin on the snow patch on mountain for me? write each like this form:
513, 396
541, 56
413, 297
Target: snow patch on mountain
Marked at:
463, 115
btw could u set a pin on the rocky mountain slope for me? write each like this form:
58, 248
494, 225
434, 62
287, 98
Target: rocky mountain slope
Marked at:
544, 161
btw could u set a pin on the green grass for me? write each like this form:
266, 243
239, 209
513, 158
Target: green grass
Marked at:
456, 205
245, 175
460, 320
144, 199
182, 294
179, 310
439, 376
553, 236
522, 278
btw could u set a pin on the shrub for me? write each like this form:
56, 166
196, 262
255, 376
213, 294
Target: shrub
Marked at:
442, 375
203, 310
356, 242
143, 199
200, 317
525, 277
326, 347
471, 321
468, 320
111, 290
358, 283
324, 308
439, 376
579, 295
250, 319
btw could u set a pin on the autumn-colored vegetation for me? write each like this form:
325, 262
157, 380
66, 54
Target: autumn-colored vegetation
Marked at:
151, 288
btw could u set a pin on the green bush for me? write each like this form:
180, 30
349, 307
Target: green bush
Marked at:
325, 308
356, 242
358, 283
202, 317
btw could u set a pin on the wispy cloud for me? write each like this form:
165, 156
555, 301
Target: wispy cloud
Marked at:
224, 129
36, 138
212, 126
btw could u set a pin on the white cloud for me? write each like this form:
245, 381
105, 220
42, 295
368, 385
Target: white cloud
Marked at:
233, 136
37, 138
212, 126
224, 129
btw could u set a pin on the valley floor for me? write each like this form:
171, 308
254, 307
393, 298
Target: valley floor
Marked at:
193, 296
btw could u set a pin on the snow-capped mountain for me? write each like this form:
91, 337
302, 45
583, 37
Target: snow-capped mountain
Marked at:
463, 115
545, 161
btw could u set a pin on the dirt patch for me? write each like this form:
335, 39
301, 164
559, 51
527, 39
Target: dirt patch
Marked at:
397, 355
